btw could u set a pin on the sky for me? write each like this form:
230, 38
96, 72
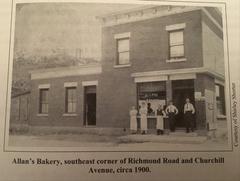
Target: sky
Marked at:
43, 29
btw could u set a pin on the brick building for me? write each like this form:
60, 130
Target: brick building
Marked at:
153, 54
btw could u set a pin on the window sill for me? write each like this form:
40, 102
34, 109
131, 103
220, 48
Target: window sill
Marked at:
176, 60
42, 115
221, 117
122, 66
90, 126
69, 114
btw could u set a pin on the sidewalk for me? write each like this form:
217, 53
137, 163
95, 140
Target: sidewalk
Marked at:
176, 137
88, 142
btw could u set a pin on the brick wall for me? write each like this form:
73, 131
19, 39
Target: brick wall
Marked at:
148, 52
149, 43
213, 51
117, 94
57, 102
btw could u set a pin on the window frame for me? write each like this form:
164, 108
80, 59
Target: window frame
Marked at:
156, 87
169, 45
221, 99
41, 102
72, 100
118, 53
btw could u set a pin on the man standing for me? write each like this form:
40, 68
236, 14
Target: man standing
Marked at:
188, 115
171, 111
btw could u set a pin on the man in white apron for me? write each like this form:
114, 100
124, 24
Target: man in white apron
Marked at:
143, 114
160, 122
133, 120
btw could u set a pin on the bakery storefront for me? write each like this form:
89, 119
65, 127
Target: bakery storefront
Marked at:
155, 94
200, 88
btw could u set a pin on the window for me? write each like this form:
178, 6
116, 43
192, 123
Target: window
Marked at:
43, 100
176, 44
123, 51
152, 92
220, 99
71, 100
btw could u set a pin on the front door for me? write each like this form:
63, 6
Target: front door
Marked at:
182, 89
90, 106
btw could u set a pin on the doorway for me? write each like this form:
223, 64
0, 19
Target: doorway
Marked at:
182, 89
90, 105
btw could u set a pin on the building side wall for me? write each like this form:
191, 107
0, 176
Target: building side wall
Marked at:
202, 82
213, 51
215, 14
57, 102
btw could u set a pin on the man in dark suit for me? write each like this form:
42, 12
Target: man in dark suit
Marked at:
171, 111
189, 111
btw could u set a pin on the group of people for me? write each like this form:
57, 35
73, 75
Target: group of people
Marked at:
170, 111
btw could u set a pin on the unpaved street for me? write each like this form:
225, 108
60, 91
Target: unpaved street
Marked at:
96, 142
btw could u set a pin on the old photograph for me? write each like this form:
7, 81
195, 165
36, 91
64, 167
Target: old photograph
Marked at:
115, 76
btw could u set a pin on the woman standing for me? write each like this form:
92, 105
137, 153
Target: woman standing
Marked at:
143, 114
133, 120
160, 122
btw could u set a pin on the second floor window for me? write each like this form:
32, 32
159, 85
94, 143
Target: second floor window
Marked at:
176, 44
123, 51
71, 100
43, 101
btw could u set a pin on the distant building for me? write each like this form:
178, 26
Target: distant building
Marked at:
153, 54
19, 106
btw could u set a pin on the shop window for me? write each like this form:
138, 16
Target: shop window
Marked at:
71, 100
220, 99
123, 51
153, 93
176, 44
43, 101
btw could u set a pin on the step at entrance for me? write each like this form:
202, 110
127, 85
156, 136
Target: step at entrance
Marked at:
183, 133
